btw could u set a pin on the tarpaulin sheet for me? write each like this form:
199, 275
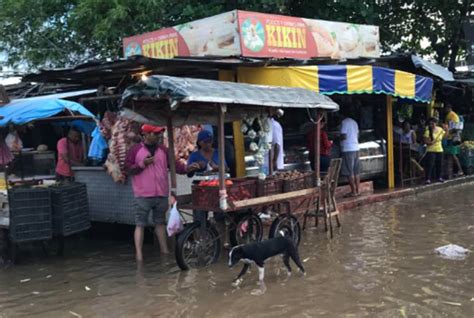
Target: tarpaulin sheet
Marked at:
343, 79
22, 111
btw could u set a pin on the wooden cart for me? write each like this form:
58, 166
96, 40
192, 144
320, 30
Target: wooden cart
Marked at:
172, 101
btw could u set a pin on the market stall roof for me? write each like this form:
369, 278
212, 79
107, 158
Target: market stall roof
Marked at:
194, 100
25, 110
432, 68
96, 73
344, 79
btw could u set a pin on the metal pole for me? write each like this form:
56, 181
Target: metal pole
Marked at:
221, 146
171, 156
317, 145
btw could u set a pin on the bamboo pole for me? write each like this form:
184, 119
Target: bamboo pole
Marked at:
390, 159
171, 156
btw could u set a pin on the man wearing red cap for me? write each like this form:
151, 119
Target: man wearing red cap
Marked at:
148, 165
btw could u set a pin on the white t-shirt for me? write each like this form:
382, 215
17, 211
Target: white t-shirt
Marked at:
350, 128
277, 136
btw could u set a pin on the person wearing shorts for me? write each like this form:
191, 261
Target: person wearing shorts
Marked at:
147, 163
350, 153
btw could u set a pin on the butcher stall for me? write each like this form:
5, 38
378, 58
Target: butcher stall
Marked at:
109, 189
285, 197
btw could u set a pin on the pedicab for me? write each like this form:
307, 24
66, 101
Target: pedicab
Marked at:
172, 101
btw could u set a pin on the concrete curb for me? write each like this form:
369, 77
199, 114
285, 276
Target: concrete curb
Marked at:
345, 206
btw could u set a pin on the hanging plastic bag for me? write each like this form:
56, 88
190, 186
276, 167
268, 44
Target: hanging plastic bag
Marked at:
175, 225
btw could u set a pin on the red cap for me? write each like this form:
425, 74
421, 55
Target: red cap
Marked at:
152, 129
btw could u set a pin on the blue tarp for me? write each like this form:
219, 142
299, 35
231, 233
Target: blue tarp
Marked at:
22, 111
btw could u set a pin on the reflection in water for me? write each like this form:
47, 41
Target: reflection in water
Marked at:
382, 264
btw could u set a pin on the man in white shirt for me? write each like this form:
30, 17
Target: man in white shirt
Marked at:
277, 143
350, 153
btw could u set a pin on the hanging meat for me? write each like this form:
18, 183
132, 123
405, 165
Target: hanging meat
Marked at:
107, 123
124, 133
185, 138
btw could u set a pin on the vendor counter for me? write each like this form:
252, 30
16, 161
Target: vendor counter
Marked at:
111, 202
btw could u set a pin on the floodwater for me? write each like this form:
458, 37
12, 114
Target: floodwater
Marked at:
381, 265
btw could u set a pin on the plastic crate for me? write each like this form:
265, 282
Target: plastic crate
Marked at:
207, 197
30, 214
309, 179
70, 209
269, 186
294, 184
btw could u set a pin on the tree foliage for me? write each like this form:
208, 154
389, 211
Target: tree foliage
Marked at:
57, 33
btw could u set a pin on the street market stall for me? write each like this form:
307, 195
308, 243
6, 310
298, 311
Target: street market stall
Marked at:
336, 80
34, 207
174, 101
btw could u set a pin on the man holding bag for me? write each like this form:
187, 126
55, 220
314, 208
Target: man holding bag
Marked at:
148, 165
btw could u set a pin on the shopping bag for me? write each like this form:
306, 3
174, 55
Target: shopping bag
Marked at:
175, 225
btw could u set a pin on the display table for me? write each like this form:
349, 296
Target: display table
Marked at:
111, 202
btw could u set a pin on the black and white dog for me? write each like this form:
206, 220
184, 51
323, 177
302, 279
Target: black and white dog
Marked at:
258, 252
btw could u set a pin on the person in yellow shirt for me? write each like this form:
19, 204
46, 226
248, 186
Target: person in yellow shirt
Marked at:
452, 121
433, 138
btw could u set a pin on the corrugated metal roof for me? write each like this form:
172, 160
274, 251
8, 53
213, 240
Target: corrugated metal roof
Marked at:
187, 90
432, 68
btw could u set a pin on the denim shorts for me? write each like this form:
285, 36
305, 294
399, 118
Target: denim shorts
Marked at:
143, 206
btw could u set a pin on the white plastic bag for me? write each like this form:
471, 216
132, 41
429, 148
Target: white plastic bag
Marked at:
452, 251
175, 225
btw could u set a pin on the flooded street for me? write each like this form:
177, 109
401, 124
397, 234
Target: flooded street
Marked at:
382, 265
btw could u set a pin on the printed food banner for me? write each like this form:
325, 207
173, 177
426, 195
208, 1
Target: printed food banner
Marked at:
251, 34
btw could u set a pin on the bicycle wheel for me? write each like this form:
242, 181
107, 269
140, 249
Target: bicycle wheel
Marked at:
287, 224
248, 228
195, 249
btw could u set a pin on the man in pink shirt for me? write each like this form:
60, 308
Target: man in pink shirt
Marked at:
70, 153
147, 163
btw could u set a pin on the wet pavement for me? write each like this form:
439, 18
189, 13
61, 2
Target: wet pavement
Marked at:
381, 265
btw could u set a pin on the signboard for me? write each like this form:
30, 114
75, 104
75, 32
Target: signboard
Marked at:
216, 35
251, 34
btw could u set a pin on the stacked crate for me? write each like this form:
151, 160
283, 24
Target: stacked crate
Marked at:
70, 209
30, 214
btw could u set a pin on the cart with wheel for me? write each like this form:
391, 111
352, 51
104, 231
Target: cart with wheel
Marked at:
180, 101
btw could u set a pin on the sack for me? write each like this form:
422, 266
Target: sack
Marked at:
175, 225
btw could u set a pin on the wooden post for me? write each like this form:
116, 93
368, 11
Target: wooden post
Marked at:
221, 142
390, 160
239, 149
171, 156
317, 146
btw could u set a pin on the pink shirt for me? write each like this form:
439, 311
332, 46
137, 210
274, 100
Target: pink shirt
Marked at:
71, 151
152, 181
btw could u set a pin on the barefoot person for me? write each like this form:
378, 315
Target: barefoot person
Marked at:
148, 165
350, 153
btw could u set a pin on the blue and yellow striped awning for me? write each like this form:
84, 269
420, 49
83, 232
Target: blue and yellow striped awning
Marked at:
343, 79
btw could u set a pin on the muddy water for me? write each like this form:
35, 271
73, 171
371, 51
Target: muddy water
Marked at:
381, 265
